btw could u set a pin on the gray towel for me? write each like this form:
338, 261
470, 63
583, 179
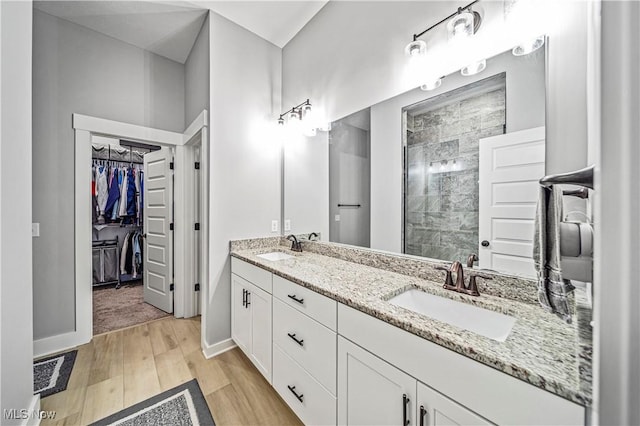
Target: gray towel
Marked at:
552, 288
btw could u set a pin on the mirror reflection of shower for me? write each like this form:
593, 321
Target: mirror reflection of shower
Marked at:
350, 180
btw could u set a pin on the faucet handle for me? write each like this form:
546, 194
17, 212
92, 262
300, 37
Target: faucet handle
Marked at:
448, 280
473, 286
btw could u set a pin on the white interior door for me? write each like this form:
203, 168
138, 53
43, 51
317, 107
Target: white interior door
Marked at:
510, 167
158, 215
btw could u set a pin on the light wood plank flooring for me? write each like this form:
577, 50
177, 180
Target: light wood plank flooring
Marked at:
121, 368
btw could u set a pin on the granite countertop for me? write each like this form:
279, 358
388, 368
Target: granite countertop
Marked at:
541, 349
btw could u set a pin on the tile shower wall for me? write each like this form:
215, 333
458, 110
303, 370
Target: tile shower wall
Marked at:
441, 207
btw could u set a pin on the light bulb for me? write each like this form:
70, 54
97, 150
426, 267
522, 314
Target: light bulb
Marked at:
281, 121
416, 48
454, 166
528, 47
443, 166
294, 115
461, 26
430, 170
306, 109
431, 85
474, 68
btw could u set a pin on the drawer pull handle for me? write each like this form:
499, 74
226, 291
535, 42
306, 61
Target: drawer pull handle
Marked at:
405, 402
293, 296
247, 303
423, 413
293, 391
293, 336
244, 297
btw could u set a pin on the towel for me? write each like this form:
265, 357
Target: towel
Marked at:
553, 290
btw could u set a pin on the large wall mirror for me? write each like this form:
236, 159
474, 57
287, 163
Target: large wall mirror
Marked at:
439, 174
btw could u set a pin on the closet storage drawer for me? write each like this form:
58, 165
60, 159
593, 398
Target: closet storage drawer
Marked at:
315, 305
306, 397
251, 273
309, 343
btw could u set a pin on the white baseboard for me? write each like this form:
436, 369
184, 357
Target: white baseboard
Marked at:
210, 351
33, 410
61, 342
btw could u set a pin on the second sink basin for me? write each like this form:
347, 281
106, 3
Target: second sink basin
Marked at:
274, 256
481, 321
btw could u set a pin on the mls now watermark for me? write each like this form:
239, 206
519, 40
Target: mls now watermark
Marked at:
23, 414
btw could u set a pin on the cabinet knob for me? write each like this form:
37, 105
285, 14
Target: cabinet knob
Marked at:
484, 243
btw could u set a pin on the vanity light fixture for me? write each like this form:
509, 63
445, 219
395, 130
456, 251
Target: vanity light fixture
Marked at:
432, 85
528, 47
462, 23
474, 68
298, 112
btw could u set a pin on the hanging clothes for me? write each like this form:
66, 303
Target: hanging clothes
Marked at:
102, 190
114, 194
122, 211
131, 194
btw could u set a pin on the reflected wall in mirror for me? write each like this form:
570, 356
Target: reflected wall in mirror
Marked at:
350, 180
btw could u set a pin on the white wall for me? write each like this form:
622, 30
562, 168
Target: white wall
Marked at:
525, 93
306, 177
77, 70
244, 164
16, 320
196, 76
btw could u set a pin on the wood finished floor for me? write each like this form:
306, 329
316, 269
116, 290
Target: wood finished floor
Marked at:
119, 369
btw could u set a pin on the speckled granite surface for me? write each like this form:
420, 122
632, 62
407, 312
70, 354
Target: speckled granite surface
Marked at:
541, 349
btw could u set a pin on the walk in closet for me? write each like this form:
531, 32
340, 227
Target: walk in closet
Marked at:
117, 197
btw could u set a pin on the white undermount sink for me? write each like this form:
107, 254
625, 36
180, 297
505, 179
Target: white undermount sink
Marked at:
274, 256
481, 321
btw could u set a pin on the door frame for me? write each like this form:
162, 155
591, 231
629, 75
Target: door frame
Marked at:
84, 127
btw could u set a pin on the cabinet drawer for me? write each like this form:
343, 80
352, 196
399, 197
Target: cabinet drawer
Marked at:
313, 404
309, 343
251, 273
317, 306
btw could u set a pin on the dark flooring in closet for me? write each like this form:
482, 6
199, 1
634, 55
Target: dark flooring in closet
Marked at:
115, 309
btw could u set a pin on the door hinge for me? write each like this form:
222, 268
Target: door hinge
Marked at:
197, 287
197, 165
171, 227
171, 165
171, 286
197, 226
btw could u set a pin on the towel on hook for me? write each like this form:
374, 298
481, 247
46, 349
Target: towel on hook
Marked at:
553, 290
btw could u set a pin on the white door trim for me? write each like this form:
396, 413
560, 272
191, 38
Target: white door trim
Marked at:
85, 126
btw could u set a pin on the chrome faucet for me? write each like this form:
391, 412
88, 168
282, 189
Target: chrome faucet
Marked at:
460, 286
295, 244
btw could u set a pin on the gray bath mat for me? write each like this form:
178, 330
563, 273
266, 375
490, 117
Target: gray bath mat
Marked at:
182, 405
51, 375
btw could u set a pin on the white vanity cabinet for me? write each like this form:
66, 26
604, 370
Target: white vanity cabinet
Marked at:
371, 391
251, 317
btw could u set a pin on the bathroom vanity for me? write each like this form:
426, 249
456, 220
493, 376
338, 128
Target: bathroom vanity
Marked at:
326, 328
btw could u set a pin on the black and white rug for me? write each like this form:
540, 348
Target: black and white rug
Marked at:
182, 405
51, 375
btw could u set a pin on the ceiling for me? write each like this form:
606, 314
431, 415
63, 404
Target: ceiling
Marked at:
170, 28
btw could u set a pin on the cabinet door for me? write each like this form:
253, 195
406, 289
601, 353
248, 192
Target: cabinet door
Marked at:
240, 314
435, 409
370, 391
260, 306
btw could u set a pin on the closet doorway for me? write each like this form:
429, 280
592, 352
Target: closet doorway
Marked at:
170, 232
132, 253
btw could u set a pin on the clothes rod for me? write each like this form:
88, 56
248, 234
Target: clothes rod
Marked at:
582, 177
